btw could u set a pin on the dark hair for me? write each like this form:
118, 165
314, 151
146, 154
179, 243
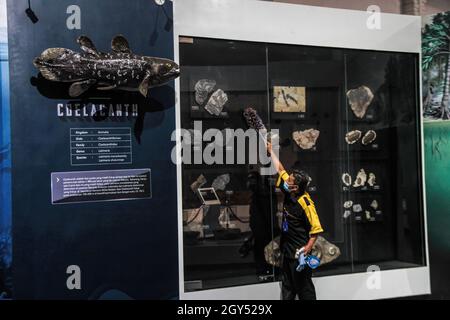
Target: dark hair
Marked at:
301, 179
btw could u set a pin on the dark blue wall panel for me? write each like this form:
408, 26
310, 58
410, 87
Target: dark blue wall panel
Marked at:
129, 246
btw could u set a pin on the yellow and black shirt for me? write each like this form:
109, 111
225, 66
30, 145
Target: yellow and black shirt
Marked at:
300, 219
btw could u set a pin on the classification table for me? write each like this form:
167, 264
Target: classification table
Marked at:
100, 146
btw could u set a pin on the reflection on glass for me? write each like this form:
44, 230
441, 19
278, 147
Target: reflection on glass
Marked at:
349, 118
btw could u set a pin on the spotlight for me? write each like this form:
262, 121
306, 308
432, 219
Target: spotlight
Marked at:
160, 2
30, 13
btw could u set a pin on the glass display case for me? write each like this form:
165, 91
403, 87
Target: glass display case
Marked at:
350, 118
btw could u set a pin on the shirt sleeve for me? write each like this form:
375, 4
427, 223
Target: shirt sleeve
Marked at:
311, 213
281, 182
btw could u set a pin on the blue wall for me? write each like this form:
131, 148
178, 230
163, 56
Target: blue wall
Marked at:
5, 167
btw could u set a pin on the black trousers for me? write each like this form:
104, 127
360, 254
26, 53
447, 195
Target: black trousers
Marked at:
295, 283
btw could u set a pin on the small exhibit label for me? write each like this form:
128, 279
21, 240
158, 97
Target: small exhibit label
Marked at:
105, 185
100, 146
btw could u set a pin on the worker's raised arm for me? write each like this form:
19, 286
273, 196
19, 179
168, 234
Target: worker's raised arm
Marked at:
275, 161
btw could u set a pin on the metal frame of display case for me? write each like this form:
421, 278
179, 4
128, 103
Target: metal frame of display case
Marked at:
269, 22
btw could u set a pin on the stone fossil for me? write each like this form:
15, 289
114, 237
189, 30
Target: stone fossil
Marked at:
221, 182
372, 179
369, 137
368, 216
323, 249
348, 204
347, 214
200, 182
216, 102
347, 179
374, 204
306, 139
361, 179
203, 88
357, 208
360, 100
353, 136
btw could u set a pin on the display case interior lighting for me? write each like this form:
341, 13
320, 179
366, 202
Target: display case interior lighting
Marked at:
160, 2
30, 13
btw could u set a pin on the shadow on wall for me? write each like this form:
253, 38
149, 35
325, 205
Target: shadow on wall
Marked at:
155, 102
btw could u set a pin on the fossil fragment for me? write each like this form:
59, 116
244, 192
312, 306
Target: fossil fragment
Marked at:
325, 250
221, 182
360, 100
289, 99
216, 102
368, 216
369, 137
306, 139
357, 208
348, 204
272, 252
353, 136
347, 214
372, 179
374, 204
203, 88
361, 179
200, 182
347, 179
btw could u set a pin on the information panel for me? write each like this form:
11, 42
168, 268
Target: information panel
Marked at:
106, 185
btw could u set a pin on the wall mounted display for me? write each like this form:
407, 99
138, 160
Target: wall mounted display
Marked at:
344, 128
289, 99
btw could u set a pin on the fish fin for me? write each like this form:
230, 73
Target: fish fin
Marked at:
107, 87
120, 44
144, 86
87, 46
78, 88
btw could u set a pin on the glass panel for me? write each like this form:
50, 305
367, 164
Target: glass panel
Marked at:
220, 248
306, 86
349, 118
388, 231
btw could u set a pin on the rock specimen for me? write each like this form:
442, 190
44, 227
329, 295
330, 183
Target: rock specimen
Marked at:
289, 99
200, 182
306, 139
359, 100
372, 179
347, 179
220, 183
369, 137
361, 179
203, 88
347, 214
368, 216
353, 136
357, 208
325, 250
348, 204
374, 204
216, 102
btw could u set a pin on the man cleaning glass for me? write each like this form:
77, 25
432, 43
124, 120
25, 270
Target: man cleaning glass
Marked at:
300, 228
